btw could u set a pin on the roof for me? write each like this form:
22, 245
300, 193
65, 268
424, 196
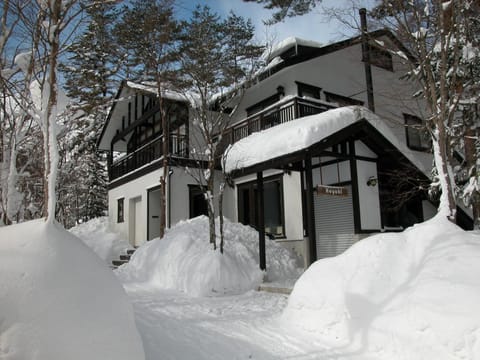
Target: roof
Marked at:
299, 135
146, 88
292, 51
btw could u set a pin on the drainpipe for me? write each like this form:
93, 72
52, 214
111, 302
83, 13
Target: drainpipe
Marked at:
366, 59
169, 222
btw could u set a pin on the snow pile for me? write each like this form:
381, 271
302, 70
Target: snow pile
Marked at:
59, 301
96, 234
412, 295
184, 260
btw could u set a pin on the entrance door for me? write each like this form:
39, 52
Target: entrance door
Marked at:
154, 210
136, 222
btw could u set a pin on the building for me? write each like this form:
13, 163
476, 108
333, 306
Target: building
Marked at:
340, 188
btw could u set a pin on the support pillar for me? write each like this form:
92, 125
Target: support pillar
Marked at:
261, 221
312, 239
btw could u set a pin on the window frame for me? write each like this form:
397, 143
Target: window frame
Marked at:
251, 186
410, 131
263, 104
342, 100
121, 210
301, 87
380, 57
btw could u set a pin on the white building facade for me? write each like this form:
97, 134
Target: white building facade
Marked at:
351, 171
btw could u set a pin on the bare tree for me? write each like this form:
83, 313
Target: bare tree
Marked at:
215, 57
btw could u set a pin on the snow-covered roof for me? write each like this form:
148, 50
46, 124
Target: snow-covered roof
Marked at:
286, 44
151, 87
302, 133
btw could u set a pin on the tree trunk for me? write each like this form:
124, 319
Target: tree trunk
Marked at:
51, 150
220, 215
447, 205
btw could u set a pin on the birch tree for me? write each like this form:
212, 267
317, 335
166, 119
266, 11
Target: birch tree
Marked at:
148, 33
215, 57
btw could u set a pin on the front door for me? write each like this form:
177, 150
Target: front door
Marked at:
154, 211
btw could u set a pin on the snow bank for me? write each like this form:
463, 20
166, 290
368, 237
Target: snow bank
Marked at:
96, 234
412, 295
58, 301
184, 260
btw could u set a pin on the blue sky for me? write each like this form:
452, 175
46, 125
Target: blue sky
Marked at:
312, 26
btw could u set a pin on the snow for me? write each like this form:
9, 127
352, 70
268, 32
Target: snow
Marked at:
397, 296
58, 300
301, 133
98, 236
170, 94
286, 44
184, 260
411, 295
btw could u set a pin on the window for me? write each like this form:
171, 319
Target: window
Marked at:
198, 204
380, 58
341, 100
120, 210
273, 198
417, 136
263, 104
305, 90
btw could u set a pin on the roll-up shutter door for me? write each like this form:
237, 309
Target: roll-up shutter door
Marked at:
334, 224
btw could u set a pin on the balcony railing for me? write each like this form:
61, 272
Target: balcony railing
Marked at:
178, 146
280, 113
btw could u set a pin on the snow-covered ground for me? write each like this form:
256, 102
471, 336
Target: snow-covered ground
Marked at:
97, 235
411, 295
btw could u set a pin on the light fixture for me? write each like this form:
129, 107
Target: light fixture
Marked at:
372, 181
281, 90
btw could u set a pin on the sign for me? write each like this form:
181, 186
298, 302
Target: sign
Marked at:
331, 190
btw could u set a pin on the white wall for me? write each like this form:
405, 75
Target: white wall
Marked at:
369, 199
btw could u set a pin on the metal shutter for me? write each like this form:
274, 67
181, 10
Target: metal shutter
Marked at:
334, 224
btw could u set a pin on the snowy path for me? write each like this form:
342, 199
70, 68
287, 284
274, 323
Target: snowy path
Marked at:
175, 326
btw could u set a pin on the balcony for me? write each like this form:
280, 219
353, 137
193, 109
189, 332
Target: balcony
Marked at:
178, 146
284, 111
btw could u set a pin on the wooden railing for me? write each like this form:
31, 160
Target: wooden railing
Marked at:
289, 110
178, 146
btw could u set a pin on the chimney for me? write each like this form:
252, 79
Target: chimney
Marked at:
366, 59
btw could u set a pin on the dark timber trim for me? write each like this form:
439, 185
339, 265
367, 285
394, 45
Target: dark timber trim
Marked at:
312, 238
157, 164
261, 221
355, 195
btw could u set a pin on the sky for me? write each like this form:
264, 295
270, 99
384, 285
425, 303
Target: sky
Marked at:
313, 26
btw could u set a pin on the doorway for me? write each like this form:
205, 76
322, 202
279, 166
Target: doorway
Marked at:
154, 200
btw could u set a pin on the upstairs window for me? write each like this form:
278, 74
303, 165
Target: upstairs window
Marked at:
380, 58
306, 90
120, 210
341, 100
417, 136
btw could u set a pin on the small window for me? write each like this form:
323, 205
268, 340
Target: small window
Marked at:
417, 136
341, 100
120, 210
305, 90
380, 58
198, 204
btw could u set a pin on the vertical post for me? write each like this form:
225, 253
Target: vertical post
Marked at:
366, 59
312, 238
261, 221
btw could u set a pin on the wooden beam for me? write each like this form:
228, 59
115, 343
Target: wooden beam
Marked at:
261, 221
312, 238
